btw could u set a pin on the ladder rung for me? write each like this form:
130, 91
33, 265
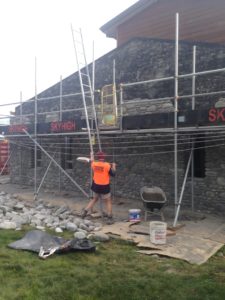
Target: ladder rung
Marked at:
85, 79
86, 92
84, 74
108, 95
80, 57
80, 52
81, 66
76, 31
81, 60
78, 42
85, 83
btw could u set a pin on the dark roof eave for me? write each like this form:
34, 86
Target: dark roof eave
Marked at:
110, 27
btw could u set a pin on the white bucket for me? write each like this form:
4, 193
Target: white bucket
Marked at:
158, 232
134, 215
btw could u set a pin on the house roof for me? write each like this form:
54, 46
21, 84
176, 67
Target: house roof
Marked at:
110, 27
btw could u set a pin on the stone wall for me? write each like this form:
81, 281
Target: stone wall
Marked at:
136, 165
139, 60
210, 191
149, 164
142, 160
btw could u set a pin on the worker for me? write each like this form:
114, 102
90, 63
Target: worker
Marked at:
102, 171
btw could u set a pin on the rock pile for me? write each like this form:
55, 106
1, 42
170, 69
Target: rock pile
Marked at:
14, 213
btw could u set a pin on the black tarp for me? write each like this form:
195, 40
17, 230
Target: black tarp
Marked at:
35, 240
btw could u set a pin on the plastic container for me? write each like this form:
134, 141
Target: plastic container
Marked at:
134, 215
158, 232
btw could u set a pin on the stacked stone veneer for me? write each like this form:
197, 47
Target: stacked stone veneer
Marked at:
138, 60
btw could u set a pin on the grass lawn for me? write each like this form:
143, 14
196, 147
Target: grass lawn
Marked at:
114, 271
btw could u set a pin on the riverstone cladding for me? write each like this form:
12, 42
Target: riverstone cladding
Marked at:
138, 60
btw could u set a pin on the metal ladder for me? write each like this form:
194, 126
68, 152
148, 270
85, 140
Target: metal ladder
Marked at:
85, 83
86, 90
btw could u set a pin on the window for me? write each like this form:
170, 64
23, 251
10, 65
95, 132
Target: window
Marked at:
199, 157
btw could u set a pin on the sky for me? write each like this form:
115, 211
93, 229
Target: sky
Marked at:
40, 31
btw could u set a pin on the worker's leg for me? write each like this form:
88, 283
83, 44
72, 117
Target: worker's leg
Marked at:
90, 205
108, 202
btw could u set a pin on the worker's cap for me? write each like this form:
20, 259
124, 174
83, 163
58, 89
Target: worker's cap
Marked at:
100, 155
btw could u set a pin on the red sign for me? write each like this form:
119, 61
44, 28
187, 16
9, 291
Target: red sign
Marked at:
66, 126
216, 114
17, 128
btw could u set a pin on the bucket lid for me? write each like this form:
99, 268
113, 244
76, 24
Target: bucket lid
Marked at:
134, 210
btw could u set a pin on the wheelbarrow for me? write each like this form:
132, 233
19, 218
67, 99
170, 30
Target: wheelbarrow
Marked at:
154, 200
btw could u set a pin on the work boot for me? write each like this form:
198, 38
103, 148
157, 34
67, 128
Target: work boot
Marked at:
104, 214
109, 220
83, 213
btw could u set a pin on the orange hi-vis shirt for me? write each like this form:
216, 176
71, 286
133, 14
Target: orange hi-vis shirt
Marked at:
101, 172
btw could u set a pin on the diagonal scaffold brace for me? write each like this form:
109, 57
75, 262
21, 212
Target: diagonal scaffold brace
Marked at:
58, 165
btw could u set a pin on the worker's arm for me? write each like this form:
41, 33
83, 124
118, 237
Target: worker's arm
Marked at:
112, 170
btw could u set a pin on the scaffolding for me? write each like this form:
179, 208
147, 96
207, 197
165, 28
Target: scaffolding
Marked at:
175, 130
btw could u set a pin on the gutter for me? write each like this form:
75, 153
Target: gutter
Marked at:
110, 27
